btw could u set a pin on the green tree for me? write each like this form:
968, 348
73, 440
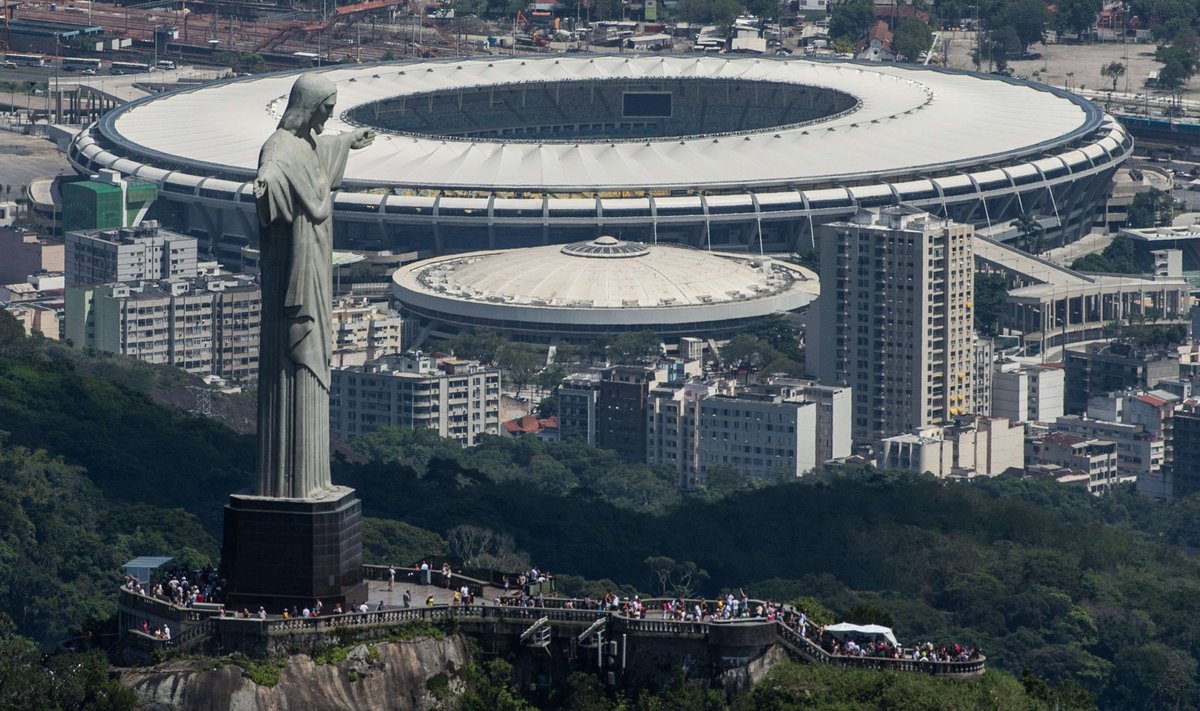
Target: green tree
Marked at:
1119, 257
776, 331
765, 10
520, 363
633, 346
809, 259
482, 344
842, 46
489, 688
1150, 208
814, 609
991, 293
998, 45
1114, 70
548, 407
1027, 18
746, 351
1153, 676
1180, 59
391, 542
1076, 16
717, 12
1032, 233
672, 578
912, 37
851, 19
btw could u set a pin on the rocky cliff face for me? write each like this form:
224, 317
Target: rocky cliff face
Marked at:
376, 677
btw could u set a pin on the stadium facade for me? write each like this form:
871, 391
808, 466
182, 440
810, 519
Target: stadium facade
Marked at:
732, 154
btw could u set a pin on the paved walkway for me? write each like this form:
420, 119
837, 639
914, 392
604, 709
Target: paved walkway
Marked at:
377, 590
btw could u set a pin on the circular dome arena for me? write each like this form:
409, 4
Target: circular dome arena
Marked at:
590, 288
729, 153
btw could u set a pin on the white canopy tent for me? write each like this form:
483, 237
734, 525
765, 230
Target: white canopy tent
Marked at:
841, 629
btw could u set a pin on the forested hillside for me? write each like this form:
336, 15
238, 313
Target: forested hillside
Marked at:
1100, 592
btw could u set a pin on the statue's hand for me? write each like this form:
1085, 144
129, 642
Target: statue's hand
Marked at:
363, 137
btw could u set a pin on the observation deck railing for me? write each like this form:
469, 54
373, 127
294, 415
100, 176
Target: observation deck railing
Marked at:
197, 624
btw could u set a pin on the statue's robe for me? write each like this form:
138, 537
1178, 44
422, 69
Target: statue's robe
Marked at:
295, 177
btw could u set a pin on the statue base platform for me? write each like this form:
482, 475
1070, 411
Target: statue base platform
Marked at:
281, 553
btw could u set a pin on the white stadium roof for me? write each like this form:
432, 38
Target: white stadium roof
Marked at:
604, 281
910, 119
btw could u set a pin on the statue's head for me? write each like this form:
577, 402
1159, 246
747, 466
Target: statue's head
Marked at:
309, 105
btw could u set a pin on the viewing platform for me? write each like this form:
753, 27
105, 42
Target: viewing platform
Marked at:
600, 639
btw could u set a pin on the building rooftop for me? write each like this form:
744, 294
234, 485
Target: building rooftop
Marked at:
605, 273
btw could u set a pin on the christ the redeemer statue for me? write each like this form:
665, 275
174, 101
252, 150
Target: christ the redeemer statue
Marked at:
297, 170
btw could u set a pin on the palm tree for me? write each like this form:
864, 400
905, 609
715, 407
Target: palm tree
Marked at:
1113, 70
1031, 233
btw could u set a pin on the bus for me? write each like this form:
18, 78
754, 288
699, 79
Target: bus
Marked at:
128, 68
79, 64
26, 60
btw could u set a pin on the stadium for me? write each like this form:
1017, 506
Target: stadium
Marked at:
587, 289
715, 152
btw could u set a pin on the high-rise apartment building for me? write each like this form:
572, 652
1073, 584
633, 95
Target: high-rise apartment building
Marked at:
981, 375
894, 319
785, 426
1028, 392
204, 325
607, 406
578, 395
144, 253
1100, 368
457, 398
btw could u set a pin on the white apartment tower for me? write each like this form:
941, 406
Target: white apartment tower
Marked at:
459, 399
143, 253
894, 319
783, 427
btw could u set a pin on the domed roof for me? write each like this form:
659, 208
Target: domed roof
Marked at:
607, 273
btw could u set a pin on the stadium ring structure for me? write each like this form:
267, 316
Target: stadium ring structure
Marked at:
587, 289
720, 152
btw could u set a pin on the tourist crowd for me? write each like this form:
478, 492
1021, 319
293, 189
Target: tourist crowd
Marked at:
176, 588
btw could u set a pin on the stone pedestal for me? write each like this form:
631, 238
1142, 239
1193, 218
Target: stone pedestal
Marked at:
283, 552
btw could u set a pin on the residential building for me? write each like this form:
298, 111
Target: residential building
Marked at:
984, 356
621, 410
459, 399
781, 426
1140, 455
1100, 368
976, 446
543, 428
607, 406
894, 319
758, 435
363, 330
1028, 393
39, 317
673, 428
144, 253
578, 395
1184, 476
1095, 458
24, 253
204, 325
